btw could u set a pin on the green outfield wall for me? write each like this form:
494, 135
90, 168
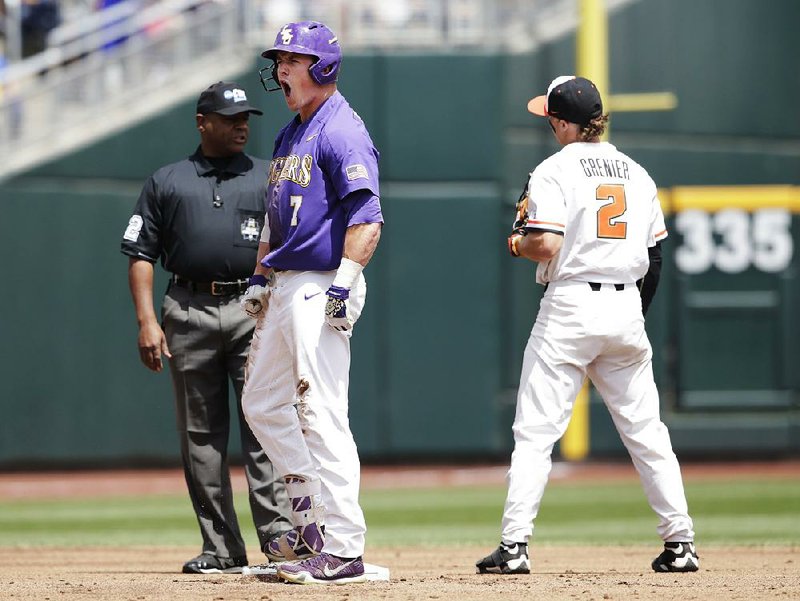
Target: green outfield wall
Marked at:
438, 350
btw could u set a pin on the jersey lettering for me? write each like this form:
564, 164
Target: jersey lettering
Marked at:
600, 167
608, 225
291, 168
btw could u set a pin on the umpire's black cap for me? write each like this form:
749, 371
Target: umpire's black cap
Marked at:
573, 99
225, 98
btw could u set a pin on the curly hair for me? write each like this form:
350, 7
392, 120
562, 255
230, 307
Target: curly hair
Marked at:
594, 129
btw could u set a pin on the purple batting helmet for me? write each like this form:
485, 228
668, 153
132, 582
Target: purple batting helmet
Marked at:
311, 38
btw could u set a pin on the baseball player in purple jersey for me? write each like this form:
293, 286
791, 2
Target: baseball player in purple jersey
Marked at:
592, 221
323, 224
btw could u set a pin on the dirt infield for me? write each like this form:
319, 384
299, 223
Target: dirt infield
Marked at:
559, 572
569, 573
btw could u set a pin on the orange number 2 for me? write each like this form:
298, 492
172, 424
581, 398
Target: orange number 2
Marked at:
607, 224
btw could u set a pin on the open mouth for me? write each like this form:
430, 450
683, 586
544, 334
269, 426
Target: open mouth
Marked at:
287, 89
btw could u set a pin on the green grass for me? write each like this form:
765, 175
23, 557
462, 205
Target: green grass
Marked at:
737, 511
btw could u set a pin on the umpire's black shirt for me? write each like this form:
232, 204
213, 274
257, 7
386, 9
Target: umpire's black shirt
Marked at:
203, 220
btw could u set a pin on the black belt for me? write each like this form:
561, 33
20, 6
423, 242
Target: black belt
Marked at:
597, 285
214, 288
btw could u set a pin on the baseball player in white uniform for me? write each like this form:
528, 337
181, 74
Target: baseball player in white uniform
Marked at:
593, 224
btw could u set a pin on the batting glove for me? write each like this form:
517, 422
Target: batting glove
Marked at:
336, 309
254, 300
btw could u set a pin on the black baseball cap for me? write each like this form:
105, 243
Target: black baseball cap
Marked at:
225, 98
573, 99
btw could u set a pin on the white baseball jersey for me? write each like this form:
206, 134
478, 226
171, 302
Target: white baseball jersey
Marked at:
611, 206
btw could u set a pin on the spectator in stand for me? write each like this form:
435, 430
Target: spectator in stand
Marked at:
37, 19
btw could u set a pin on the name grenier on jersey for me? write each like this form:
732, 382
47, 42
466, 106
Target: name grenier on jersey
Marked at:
600, 167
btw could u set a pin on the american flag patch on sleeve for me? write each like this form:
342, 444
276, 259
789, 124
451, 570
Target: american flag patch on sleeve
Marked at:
356, 172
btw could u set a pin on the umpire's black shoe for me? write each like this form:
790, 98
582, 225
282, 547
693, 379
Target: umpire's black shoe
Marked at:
205, 563
677, 557
506, 559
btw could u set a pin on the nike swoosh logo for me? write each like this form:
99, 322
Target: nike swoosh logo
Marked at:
330, 573
312, 295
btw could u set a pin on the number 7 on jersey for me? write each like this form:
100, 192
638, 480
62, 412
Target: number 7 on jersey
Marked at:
295, 200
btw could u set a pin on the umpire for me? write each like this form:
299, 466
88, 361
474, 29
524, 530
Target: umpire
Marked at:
202, 217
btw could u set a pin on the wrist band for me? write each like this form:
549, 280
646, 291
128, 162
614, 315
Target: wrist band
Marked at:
514, 238
347, 274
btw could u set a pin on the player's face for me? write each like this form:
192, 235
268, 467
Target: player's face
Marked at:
223, 135
303, 95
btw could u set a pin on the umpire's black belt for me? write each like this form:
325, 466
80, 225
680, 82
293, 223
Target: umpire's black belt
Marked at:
214, 288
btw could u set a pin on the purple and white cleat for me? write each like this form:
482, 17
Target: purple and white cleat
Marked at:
323, 569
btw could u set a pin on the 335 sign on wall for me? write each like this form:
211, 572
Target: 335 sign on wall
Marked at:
733, 240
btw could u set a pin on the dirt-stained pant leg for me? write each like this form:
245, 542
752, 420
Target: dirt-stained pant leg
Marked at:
295, 400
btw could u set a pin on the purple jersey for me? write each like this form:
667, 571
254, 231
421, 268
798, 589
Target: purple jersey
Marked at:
315, 166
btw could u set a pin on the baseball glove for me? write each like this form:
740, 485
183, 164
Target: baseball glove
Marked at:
518, 230
522, 207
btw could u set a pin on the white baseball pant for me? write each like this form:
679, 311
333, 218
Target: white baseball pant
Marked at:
296, 398
579, 331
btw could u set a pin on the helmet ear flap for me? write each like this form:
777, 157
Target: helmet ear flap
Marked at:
325, 69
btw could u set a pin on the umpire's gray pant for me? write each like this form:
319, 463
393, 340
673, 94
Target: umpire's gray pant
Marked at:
209, 337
